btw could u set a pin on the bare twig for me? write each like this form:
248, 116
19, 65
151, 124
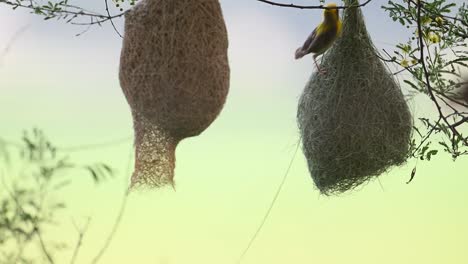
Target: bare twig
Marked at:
275, 197
111, 20
451, 99
85, 147
81, 233
79, 11
117, 221
426, 137
36, 230
462, 121
42, 244
113, 231
70, 12
310, 6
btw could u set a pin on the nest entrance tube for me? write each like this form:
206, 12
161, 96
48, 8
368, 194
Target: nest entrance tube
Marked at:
154, 155
174, 73
353, 120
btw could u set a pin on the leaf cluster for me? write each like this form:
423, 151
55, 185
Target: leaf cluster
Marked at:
29, 204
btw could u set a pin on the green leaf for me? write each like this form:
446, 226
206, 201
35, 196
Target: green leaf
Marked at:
411, 84
431, 153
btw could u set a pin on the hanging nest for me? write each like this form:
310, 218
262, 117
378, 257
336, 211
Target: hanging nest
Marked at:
354, 121
174, 73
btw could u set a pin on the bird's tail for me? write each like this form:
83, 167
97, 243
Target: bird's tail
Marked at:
299, 53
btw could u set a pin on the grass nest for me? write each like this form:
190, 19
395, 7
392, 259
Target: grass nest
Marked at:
174, 73
354, 121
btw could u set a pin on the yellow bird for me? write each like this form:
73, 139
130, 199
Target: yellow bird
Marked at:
323, 35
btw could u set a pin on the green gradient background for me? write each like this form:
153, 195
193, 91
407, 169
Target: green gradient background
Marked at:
226, 177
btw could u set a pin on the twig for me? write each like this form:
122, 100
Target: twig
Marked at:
413, 173
464, 120
383, 59
311, 7
451, 99
111, 20
81, 12
433, 128
117, 221
78, 12
113, 231
43, 246
275, 197
81, 233
95, 146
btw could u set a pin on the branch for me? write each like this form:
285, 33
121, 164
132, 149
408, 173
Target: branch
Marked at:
464, 120
118, 220
81, 12
114, 229
70, 11
43, 246
112, 22
267, 214
311, 7
451, 99
84, 147
81, 233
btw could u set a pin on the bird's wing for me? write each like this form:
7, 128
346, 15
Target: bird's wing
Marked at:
309, 41
319, 40
305, 49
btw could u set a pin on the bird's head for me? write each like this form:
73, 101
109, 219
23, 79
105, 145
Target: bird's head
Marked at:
330, 12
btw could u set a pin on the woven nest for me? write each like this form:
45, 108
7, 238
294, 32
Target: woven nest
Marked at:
174, 73
354, 121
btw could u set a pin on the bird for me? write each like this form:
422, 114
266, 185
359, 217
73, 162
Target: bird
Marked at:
323, 36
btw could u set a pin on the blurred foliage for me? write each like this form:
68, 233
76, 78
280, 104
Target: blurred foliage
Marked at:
29, 199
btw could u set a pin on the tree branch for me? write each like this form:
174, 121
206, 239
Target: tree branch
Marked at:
114, 229
311, 7
43, 246
119, 217
70, 11
462, 121
81, 233
111, 20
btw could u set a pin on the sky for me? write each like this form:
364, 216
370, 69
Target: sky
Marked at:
227, 176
